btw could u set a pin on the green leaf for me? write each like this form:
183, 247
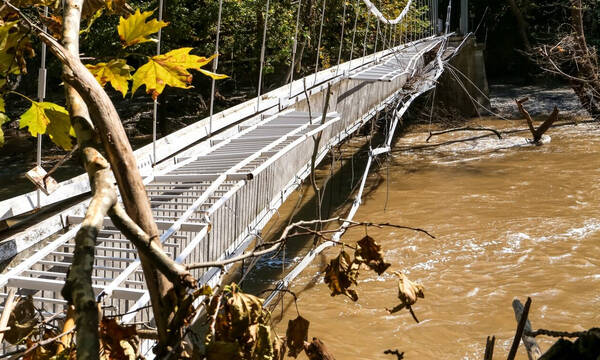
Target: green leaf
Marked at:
116, 71
170, 69
135, 29
51, 119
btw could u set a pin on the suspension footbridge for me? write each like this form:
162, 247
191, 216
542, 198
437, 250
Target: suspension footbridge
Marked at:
215, 184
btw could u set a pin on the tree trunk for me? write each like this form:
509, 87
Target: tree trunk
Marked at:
83, 89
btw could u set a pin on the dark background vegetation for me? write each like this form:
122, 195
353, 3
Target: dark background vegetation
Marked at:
193, 23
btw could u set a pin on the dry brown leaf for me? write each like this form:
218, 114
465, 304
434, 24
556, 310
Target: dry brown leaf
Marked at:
296, 335
340, 274
408, 292
369, 253
119, 342
242, 329
22, 320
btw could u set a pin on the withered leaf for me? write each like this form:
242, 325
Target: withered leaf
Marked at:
296, 335
242, 328
45, 352
408, 292
278, 348
369, 253
244, 310
118, 341
22, 320
340, 274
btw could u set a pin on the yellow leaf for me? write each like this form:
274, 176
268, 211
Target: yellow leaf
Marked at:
135, 29
169, 69
2, 106
116, 71
51, 119
213, 75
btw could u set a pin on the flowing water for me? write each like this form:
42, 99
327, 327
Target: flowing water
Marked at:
509, 220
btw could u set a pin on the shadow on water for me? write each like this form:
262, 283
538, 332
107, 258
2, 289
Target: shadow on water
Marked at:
341, 173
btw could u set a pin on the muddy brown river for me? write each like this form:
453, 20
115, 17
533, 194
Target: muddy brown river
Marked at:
510, 221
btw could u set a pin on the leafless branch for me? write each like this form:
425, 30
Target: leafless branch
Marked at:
468, 128
287, 234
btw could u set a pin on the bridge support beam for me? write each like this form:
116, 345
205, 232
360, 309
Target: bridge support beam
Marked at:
470, 75
464, 16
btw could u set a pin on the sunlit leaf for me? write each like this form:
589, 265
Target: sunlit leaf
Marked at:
51, 119
169, 69
213, 75
296, 334
116, 71
369, 253
408, 292
135, 30
341, 274
15, 47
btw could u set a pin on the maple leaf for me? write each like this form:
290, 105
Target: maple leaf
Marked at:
170, 69
51, 119
135, 30
116, 71
15, 46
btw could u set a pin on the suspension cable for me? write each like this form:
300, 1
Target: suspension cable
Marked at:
41, 94
155, 104
365, 40
262, 57
448, 14
342, 35
376, 37
214, 69
357, 12
295, 46
319, 43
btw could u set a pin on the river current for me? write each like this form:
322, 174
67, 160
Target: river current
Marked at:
509, 220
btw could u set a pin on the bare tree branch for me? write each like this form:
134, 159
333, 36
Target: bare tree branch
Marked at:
468, 128
275, 245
